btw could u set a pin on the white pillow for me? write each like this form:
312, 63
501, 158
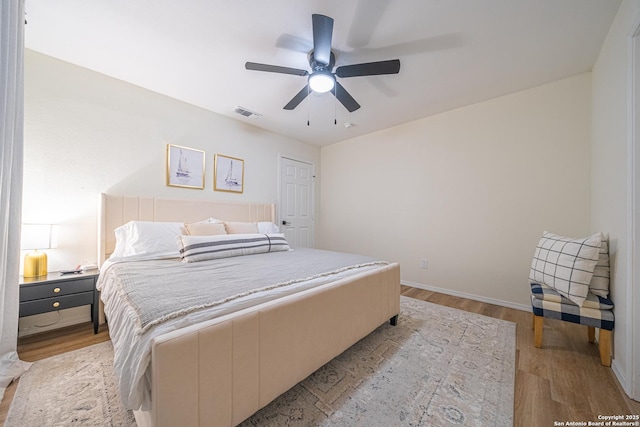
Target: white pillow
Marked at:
267, 228
600, 281
566, 264
152, 239
202, 248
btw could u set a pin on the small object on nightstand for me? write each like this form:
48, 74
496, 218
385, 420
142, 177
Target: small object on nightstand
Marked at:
72, 271
85, 267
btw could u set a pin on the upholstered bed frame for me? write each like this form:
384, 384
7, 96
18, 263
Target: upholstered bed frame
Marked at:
219, 372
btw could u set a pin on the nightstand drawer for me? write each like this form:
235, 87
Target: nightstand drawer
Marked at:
29, 292
56, 303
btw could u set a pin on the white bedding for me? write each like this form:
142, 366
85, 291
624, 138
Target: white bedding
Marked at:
132, 341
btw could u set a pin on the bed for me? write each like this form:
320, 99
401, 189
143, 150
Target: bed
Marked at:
228, 363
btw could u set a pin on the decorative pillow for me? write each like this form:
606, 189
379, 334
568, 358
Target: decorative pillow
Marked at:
205, 229
267, 228
202, 248
156, 239
241, 227
600, 281
566, 264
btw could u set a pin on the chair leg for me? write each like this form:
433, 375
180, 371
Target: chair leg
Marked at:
605, 347
591, 331
538, 325
533, 321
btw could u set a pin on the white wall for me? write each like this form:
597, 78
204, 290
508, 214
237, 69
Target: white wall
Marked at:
86, 133
610, 182
471, 190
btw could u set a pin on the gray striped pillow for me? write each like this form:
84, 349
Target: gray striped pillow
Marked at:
202, 248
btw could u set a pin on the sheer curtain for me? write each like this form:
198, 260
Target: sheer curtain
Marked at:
11, 149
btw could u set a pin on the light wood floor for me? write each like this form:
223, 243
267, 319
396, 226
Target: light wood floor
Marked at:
563, 381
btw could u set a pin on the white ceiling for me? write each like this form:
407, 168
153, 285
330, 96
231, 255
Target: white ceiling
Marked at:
452, 52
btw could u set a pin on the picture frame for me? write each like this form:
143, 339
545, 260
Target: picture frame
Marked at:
228, 174
185, 167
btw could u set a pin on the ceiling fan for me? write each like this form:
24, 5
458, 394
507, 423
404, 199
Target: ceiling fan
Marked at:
322, 60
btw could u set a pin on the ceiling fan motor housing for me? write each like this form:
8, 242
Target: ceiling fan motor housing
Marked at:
317, 66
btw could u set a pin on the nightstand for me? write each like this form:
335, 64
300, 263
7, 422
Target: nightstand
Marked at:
57, 292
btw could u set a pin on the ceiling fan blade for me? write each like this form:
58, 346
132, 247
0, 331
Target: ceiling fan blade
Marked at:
298, 98
391, 66
343, 96
294, 43
322, 33
275, 69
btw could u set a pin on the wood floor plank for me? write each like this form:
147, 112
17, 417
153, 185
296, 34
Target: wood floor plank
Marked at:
532, 393
562, 381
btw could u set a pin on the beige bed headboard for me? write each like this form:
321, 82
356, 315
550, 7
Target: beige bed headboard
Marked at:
117, 210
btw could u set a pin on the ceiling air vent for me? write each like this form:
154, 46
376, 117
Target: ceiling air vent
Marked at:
247, 113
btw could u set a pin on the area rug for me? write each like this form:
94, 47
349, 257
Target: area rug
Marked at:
438, 367
72, 389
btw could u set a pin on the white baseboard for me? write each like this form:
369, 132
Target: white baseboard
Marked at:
480, 298
621, 377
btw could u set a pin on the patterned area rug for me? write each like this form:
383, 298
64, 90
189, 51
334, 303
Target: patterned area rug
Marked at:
438, 367
72, 389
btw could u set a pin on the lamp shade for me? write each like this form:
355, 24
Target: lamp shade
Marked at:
39, 236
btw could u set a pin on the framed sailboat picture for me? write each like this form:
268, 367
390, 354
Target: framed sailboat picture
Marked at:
228, 174
185, 167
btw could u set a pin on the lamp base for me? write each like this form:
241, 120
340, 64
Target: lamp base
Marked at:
35, 264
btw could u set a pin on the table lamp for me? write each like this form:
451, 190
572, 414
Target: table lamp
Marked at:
36, 237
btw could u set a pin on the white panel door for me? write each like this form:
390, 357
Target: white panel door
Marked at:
296, 202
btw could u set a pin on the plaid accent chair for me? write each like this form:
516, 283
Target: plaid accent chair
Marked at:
595, 312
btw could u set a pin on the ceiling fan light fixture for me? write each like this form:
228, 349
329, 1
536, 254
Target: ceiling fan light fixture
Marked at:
321, 81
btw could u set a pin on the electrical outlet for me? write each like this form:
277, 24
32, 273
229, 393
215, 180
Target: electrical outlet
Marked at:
424, 263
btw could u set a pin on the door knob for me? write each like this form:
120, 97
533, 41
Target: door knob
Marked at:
285, 222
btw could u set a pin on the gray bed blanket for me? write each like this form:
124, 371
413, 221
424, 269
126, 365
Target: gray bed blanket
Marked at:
160, 290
